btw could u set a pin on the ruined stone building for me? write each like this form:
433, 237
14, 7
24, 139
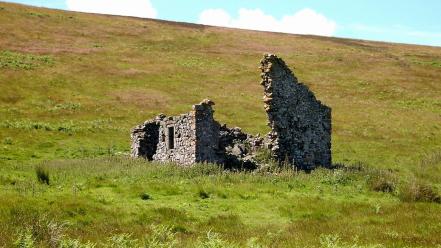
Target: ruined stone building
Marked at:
300, 129
185, 139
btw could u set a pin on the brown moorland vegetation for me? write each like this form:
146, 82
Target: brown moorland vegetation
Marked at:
73, 84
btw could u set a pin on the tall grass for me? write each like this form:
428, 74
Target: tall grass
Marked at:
164, 237
416, 191
111, 200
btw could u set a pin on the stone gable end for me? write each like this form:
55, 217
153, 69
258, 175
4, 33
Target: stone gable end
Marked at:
300, 129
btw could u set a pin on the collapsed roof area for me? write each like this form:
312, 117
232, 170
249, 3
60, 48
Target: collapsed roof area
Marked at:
300, 129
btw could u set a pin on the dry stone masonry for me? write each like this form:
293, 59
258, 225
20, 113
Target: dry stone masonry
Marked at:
185, 139
300, 124
300, 129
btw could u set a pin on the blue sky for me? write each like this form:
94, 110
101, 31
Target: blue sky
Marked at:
404, 21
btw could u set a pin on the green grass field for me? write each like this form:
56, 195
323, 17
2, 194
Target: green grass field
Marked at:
72, 85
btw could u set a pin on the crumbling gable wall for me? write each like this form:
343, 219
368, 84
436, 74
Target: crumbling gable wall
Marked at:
300, 124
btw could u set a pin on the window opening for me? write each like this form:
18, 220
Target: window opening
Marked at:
171, 138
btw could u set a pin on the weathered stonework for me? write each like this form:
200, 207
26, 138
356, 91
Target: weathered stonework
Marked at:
145, 139
300, 124
186, 139
300, 129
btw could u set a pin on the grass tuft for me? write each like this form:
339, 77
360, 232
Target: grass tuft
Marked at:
214, 240
145, 196
419, 192
122, 241
7, 141
334, 241
203, 194
25, 239
162, 237
74, 243
42, 174
431, 159
382, 181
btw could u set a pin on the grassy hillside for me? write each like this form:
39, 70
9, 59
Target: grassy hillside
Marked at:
72, 85
90, 78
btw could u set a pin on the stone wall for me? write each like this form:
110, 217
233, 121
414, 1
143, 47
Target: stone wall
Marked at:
177, 139
300, 129
145, 139
300, 124
207, 133
185, 139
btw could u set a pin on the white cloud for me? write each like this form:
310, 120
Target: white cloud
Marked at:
305, 21
215, 17
138, 8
